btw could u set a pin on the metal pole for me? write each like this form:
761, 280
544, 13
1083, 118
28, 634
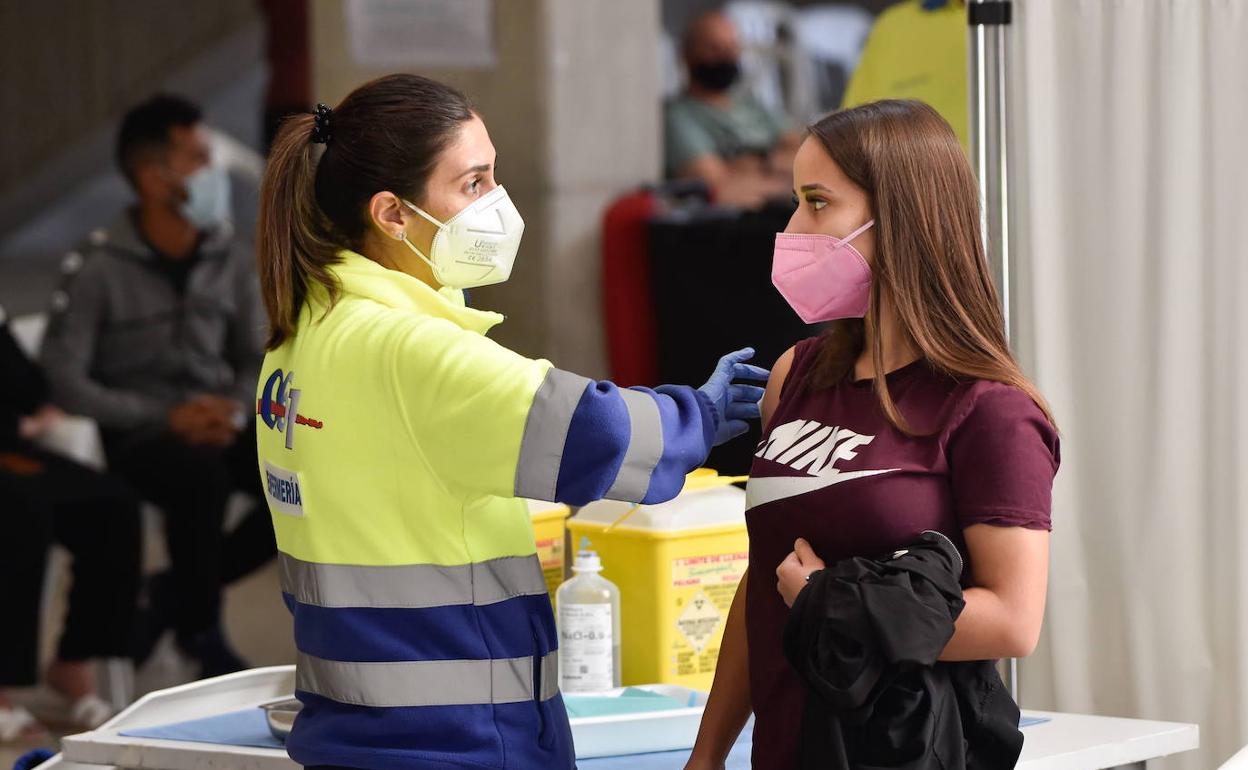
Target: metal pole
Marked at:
989, 22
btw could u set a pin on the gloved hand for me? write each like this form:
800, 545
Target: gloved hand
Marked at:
735, 403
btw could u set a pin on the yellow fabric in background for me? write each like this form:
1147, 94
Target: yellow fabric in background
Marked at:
913, 53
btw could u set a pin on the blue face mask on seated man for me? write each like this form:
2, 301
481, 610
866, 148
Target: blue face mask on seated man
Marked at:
207, 203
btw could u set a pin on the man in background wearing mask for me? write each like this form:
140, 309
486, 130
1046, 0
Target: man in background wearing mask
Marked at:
721, 135
158, 334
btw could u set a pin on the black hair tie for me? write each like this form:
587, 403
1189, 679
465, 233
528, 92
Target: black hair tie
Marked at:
320, 126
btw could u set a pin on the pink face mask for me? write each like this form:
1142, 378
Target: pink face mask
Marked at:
822, 277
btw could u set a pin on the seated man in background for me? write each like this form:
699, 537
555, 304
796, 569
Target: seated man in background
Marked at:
158, 335
44, 499
721, 135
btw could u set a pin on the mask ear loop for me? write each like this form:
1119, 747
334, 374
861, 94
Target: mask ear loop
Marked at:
858, 232
429, 217
403, 234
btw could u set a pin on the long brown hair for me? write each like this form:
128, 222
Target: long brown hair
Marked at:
929, 256
386, 135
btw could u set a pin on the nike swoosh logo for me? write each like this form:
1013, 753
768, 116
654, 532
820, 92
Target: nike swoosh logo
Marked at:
769, 489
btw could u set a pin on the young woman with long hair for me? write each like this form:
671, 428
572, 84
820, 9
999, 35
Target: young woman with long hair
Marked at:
908, 414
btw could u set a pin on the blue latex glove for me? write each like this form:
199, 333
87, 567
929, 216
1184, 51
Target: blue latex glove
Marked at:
735, 404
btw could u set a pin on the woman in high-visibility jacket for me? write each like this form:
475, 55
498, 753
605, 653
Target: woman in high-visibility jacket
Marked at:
395, 439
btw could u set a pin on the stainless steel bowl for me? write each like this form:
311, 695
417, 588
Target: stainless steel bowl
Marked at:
280, 714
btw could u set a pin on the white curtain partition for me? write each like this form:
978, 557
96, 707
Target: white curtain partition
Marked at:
1129, 132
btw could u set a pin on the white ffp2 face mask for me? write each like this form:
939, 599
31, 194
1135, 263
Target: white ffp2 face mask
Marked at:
477, 246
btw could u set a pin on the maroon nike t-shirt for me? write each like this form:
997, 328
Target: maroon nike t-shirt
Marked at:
833, 470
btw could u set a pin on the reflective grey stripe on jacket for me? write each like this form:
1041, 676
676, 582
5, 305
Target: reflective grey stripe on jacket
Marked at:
411, 586
430, 682
546, 432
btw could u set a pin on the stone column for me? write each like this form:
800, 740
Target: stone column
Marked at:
573, 106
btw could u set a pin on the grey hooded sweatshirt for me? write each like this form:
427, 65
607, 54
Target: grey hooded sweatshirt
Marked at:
124, 345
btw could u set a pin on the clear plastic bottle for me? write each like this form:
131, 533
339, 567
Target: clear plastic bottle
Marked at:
589, 627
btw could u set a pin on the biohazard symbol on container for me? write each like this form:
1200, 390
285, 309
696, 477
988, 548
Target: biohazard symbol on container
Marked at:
699, 621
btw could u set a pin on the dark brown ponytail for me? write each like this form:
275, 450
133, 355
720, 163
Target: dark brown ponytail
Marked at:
294, 245
386, 135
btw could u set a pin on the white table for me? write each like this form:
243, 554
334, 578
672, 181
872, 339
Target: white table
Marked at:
1068, 742
1080, 742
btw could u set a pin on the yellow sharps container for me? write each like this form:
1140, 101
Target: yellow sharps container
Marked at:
677, 565
548, 529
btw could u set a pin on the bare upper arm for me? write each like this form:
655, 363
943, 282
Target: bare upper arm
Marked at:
1007, 558
779, 373
1013, 563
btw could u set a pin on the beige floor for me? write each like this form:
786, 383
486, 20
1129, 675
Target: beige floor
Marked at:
256, 620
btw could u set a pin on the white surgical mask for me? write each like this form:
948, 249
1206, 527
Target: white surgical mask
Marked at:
477, 246
207, 204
